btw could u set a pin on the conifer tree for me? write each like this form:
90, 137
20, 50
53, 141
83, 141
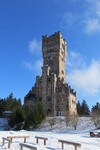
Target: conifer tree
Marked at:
39, 114
96, 107
2, 106
95, 115
78, 108
84, 108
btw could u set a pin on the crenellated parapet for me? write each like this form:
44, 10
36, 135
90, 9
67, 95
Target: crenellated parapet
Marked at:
71, 90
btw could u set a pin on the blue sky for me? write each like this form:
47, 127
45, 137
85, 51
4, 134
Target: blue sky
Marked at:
22, 24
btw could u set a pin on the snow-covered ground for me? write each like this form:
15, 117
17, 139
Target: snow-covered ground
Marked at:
58, 131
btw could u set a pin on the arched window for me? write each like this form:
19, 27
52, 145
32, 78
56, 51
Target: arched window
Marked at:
48, 111
62, 52
62, 78
62, 72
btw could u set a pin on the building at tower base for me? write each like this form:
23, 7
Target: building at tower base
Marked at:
51, 88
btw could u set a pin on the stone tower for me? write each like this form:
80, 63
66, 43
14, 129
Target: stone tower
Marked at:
54, 49
51, 88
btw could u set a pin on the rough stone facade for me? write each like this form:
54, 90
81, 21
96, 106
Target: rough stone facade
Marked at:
51, 88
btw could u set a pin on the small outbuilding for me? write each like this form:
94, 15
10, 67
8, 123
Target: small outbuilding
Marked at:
7, 114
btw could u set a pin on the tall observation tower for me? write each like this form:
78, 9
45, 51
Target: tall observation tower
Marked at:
51, 88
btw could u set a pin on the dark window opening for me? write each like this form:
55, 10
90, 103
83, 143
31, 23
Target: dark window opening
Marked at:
62, 53
40, 99
63, 46
49, 98
62, 72
60, 89
51, 44
49, 111
49, 80
62, 79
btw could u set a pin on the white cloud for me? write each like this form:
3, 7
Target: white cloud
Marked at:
86, 80
92, 25
29, 65
69, 18
35, 67
74, 60
98, 8
92, 16
88, 19
34, 46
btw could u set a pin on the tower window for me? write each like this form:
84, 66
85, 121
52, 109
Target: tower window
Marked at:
61, 113
62, 79
49, 98
62, 53
40, 99
60, 89
51, 44
49, 111
63, 46
62, 72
